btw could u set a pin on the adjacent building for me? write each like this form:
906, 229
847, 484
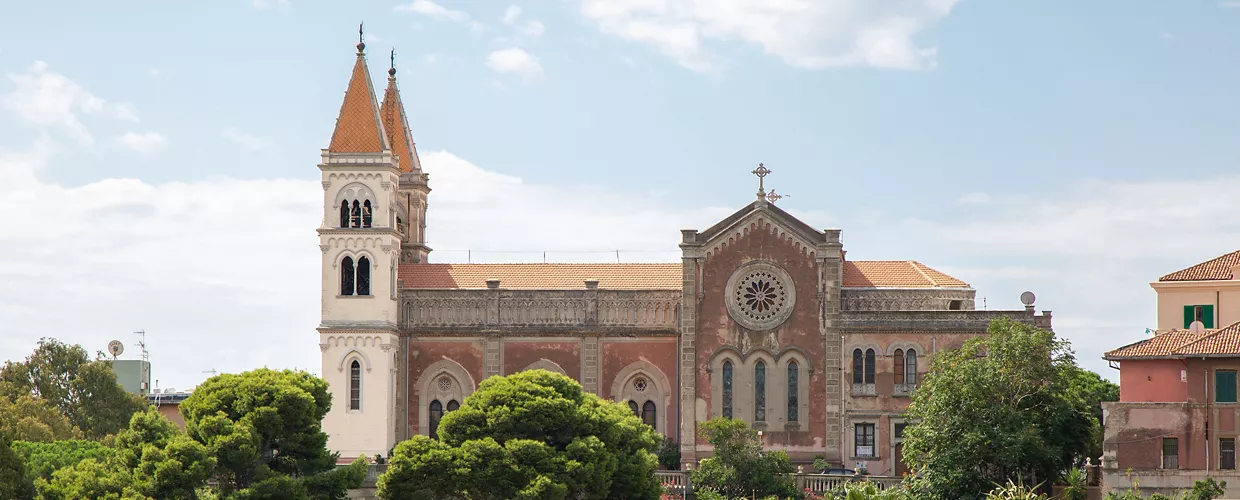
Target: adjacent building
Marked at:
1176, 420
764, 318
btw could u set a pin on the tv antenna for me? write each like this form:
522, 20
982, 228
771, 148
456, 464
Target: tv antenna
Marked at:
146, 356
212, 371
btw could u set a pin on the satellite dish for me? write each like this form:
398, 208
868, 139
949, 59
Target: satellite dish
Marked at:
116, 348
1196, 327
1027, 298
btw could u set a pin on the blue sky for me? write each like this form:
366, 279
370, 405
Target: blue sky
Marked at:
1076, 149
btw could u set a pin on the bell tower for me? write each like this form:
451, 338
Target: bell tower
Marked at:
361, 243
413, 188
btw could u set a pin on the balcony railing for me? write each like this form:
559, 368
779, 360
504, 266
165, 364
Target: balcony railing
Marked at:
864, 390
677, 484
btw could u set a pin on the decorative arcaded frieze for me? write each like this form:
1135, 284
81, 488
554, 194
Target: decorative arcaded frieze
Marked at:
552, 308
885, 299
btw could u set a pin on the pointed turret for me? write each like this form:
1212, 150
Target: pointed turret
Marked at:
359, 128
397, 125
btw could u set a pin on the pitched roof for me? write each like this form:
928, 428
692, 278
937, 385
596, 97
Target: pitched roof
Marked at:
1218, 268
542, 276
657, 276
777, 214
397, 127
1183, 343
896, 274
359, 128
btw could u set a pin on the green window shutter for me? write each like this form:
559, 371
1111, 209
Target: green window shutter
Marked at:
1188, 316
1207, 314
1225, 386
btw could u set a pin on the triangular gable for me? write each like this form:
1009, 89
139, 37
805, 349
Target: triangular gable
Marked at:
741, 220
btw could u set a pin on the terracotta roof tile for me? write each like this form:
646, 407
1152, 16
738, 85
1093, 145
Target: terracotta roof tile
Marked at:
1218, 268
397, 127
1181, 343
893, 274
896, 274
359, 128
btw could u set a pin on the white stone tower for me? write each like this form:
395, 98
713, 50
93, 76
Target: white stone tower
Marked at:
361, 243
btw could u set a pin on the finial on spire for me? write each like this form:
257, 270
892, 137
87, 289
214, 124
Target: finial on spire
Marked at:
361, 42
761, 172
392, 68
772, 197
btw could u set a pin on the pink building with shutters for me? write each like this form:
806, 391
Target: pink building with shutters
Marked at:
1176, 420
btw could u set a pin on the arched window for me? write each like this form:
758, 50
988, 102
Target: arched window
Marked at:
344, 213
759, 392
436, 415
363, 276
794, 376
648, 413
356, 219
633, 408
910, 367
858, 367
453, 405
355, 385
869, 366
346, 276
727, 389
897, 364
366, 216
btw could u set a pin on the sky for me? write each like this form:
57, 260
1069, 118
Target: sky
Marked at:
158, 159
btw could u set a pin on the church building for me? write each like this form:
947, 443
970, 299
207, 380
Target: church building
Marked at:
764, 319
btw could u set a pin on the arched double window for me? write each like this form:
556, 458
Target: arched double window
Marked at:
863, 366
648, 413
727, 389
759, 392
356, 213
355, 385
355, 279
905, 364
794, 375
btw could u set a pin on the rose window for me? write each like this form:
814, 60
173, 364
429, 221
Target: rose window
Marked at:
639, 384
444, 384
761, 296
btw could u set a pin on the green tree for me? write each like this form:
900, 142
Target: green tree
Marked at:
15, 483
31, 419
42, 459
531, 435
669, 454
739, 467
264, 429
1091, 390
151, 459
85, 391
995, 410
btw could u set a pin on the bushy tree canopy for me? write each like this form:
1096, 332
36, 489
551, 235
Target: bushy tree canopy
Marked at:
531, 435
85, 391
36, 420
739, 467
997, 409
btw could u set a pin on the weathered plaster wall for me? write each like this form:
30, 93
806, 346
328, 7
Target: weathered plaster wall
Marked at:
521, 353
653, 358
1155, 380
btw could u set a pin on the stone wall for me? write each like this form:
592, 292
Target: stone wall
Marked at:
891, 299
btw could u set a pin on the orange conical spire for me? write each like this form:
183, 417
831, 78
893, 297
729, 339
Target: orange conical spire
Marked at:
397, 126
359, 129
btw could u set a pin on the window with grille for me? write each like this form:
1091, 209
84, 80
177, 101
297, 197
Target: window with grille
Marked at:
1171, 453
363, 276
863, 440
355, 385
648, 414
727, 389
910, 367
346, 276
1227, 453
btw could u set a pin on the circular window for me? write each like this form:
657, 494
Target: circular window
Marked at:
760, 296
639, 384
444, 384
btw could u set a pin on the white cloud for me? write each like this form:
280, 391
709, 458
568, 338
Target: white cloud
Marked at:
511, 14
142, 142
1230, 4
267, 4
531, 28
515, 61
244, 139
809, 34
46, 98
434, 10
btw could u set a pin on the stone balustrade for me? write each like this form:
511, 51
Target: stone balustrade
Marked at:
546, 309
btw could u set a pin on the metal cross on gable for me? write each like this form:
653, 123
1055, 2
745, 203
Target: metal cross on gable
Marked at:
761, 172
